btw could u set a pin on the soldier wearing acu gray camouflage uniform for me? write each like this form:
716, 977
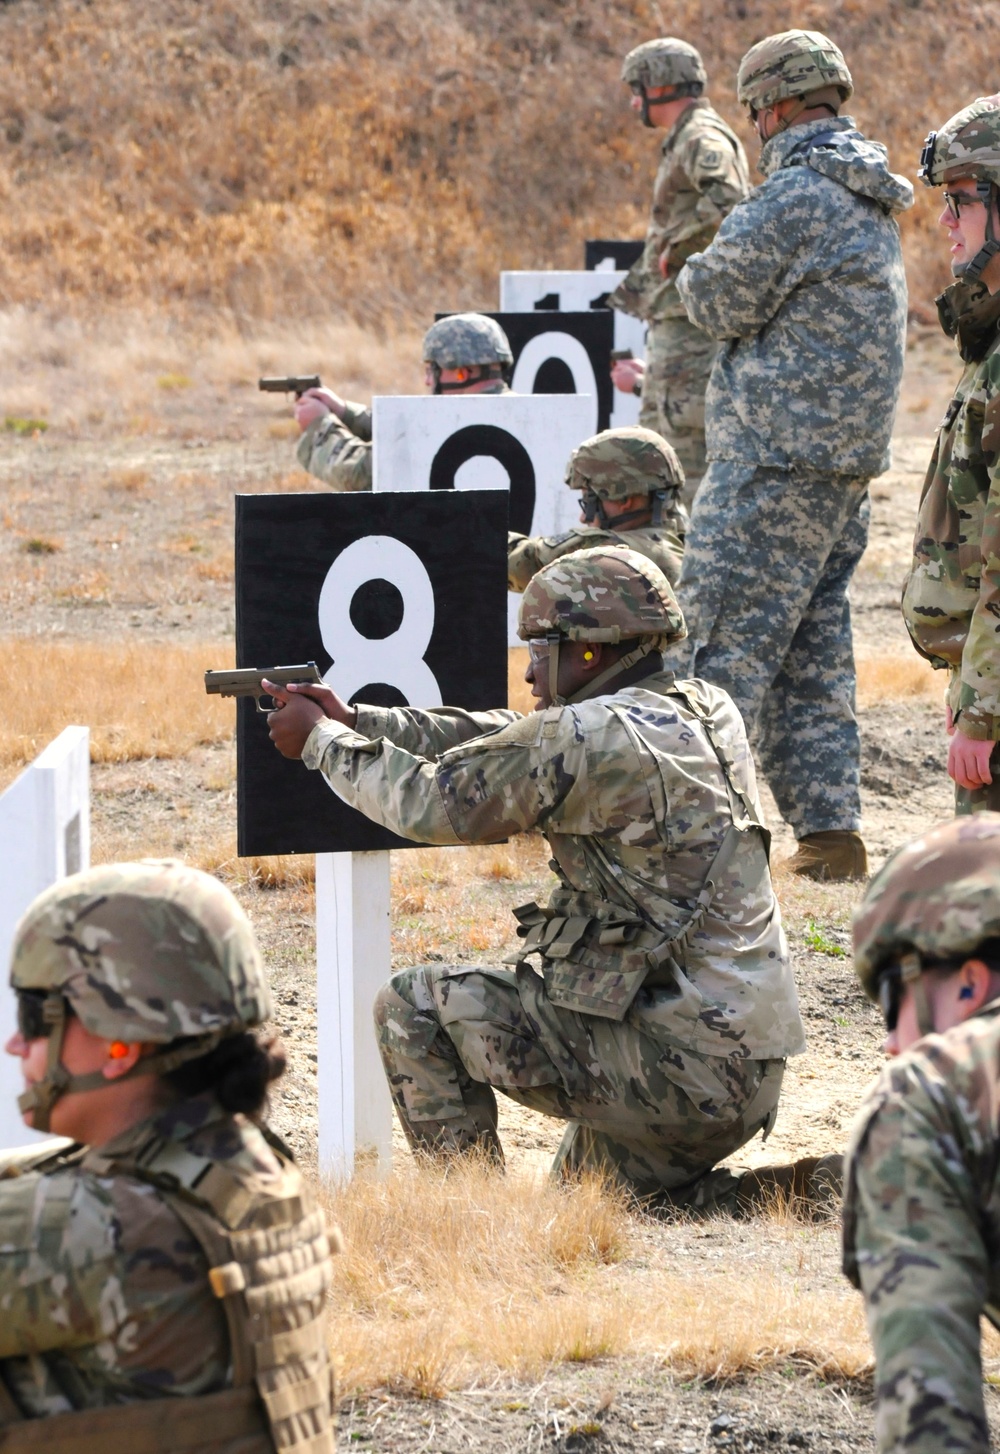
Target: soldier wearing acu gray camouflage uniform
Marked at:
702, 175
164, 1271
951, 598
629, 481
651, 1004
466, 353
922, 1205
804, 288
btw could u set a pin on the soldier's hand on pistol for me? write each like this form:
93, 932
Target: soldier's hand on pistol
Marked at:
626, 373
969, 761
314, 403
302, 706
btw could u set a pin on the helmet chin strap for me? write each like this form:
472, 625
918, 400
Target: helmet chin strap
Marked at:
593, 509
591, 688
912, 973
972, 272
57, 1080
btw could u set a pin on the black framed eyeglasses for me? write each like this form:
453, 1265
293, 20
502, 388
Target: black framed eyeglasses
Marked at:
33, 1023
955, 201
890, 993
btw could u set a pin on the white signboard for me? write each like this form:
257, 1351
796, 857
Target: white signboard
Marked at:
44, 835
483, 442
573, 292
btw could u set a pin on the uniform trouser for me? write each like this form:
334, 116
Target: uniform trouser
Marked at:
767, 565
655, 1116
679, 360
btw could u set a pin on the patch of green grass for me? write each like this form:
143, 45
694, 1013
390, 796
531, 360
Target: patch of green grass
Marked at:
16, 424
818, 939
173, 382
38, 545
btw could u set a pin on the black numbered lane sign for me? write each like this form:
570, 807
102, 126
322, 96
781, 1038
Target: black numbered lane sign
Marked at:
568, 354
399, 599
606, 254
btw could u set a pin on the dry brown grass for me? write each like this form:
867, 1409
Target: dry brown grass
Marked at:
447, 1278
384, 159
898, 679
139, 700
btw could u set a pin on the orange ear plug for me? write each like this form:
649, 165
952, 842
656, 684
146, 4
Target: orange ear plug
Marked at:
117, 1050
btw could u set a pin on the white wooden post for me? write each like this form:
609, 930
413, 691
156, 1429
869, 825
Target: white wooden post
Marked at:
353, 959
44, 835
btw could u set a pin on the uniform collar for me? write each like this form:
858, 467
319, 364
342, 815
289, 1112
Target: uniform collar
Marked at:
776, 153
701, 103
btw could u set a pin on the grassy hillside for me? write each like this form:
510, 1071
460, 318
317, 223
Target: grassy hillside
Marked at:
379, 158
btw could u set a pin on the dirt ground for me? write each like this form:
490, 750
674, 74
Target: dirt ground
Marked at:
128, 535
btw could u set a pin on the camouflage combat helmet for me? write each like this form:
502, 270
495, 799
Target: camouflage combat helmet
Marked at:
609, 594
803, 64
139, 952
664, 62
968, 145
618, 463
935, 900
466, 341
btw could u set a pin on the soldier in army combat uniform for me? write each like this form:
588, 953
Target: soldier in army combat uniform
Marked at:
466, 353
163, 1271
702, 175
804, 288
922, 1203
651, 1004
630, 482
950, 602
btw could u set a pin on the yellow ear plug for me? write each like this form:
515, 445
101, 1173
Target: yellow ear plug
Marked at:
588, 656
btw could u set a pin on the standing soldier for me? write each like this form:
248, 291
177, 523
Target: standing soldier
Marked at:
952, 596
466, 353
922, 1204
629, 482
702, 175
805, 289
661, 1007
164, 1272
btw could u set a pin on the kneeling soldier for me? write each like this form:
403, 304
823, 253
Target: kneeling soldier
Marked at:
922, 1209
652, 1004
630, 482
163, 1272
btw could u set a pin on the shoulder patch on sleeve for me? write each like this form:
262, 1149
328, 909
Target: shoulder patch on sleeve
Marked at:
525, 732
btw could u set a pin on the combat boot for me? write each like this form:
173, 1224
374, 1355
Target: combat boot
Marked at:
833, 856
810, 1187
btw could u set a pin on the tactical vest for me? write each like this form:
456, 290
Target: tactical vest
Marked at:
269, 1264
574, 932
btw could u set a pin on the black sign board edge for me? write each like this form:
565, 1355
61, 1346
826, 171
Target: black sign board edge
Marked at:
252, 745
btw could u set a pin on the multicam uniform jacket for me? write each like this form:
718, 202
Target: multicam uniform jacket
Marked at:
804, 286
922, 1234
702, 175
663, 545
105, 1296
951, 600
339, 452
634, 801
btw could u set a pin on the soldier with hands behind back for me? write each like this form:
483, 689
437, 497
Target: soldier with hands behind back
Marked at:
651, 1004
702, 174
804, 288
164, 1271
629, 482
952, 595
466, 353
922, 1203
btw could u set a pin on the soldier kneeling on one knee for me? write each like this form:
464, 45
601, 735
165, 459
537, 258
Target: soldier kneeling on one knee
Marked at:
630, 481
164, 1271
651, 1005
